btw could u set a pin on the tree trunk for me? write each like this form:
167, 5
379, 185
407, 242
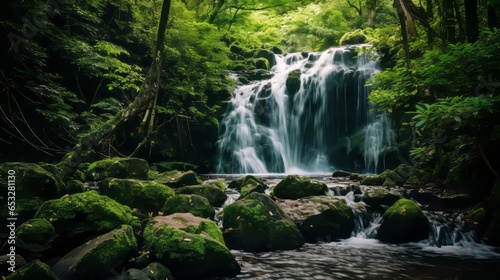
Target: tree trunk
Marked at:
471, 21
459, 20
371, 6
215, 12
493, 21
146, 96
402, 15
448, 19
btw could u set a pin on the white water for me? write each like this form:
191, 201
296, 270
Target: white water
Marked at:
323, 124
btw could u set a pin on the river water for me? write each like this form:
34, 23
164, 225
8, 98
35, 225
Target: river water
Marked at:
449, 253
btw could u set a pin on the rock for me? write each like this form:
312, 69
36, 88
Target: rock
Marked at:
157, 271
172, 165
256, 223
353, 38
248, 184
276, 50
262, 63
35, 235
372, 180
492, 207
404, 171
177, 179
392, 178
218, 183
73, 186
341, 173
403, 222
189, 203
379, 198
30, 180
99, 256
257, 75
293, 81
25, 207
294, 186
147, 196
190, 246
118, 168
266, 54
238, 183
82, 216
320, 218
135, 274
34, 270
215, 195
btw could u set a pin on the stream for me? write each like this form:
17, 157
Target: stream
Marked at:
448, 253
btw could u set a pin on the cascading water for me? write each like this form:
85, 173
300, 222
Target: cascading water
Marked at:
312, 115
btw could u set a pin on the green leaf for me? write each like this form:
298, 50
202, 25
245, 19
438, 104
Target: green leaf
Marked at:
420, 122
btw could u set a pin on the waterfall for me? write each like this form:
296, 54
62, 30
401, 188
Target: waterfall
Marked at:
311, 116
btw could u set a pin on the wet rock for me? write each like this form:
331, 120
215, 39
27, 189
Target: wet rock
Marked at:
147, 196
434, 201
215, 195
187, 203
219, 184
372, 180
353, 38
248, 184
82, 216
157, 271
33, 270
118, 168
73, 186
320, 218
341, 173
403, 222
31, 180
99, 256
392, 179
256, 223
35, 235
293, 187
177, 179
266, 54
293, 82
135, 274
190, 246
172, 165
379, 198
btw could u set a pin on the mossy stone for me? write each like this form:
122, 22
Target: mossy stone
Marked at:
378, 198
190, 246
219, 183
147, 196
31, 180
87, 213
372, 180
134, 274
294, 187
177, 179
35, 235
215, 195
403, 222
353, 38
157, 271
189, 203
239, 183
256, 223
392, 178
33, 270
73, 186
341, 173
118, 168
98, 256
165, 166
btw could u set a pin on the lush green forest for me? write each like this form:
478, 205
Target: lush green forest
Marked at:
70, 68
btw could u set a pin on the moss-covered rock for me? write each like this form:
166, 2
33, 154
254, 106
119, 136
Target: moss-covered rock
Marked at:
34, 270
262, 63
98, 257
177, 179
84, 215
392, 178
73, 186
25, 207
189, 203
379, 198
190, 246
35, 235
320, 218
134, 274
147, 196
404, 170
118, 168
294, 186
341, 173
374, 180
266, 54
248, 184
403, 222
219, 184
30, 180
215, 195
353, 38
165, 166
257, 223
157, 271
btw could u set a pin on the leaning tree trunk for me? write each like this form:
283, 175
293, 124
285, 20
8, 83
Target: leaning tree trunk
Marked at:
143, 101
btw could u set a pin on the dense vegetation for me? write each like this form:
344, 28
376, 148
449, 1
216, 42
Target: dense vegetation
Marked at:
69, 66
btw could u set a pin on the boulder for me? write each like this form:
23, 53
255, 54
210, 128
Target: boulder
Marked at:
341, 173
98, 257
392, 178
33, 270
294, 186
353, 38
320, 218
189, 203
157, 271
73, 186
403, 222
373, 180
190, 246
83, 216
35, 235
118, 168
30, 180
248, 184
177, 179
256, 223
147, 196
267, 54
215, 195
134, 274
172, 165
218, 183
379, 198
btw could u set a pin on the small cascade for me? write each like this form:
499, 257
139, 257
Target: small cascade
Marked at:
446, 230
311, 116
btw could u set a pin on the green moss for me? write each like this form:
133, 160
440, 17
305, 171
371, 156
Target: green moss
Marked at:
372, 180
177, 179
341, 173
35, 235
194, 204
73, 186
293, 187
220, 184
33, 270
215, 195
392, 177
31, 180
118, 168
354, 37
